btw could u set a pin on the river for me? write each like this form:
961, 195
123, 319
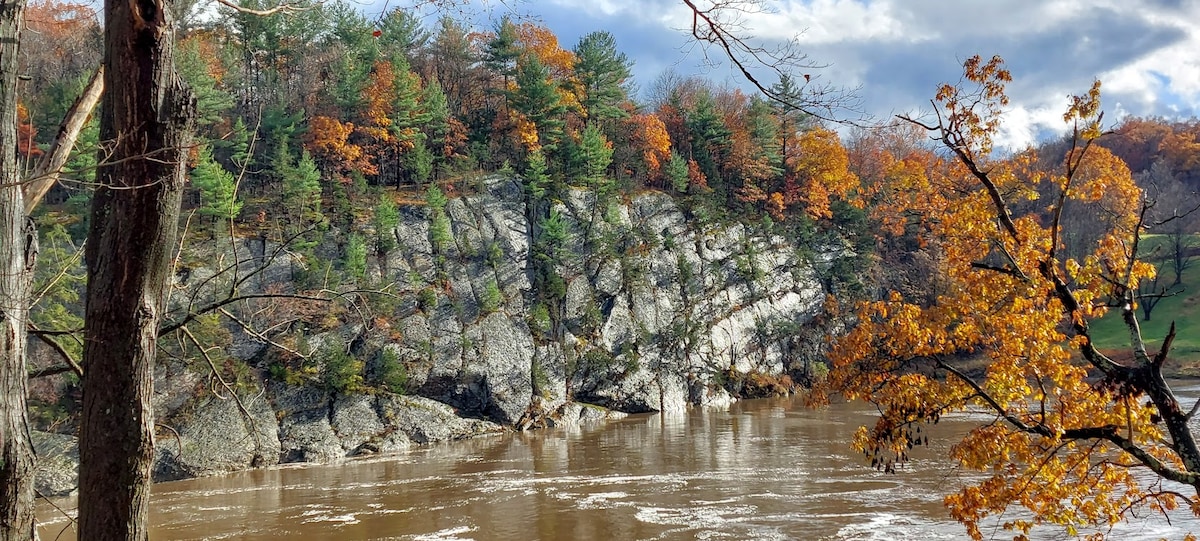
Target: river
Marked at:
763, 470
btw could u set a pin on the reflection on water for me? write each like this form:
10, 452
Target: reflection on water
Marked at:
764, 470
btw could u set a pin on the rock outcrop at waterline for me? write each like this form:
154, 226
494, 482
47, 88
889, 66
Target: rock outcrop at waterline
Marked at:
651, 310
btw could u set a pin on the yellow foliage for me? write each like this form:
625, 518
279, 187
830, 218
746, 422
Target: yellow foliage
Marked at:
1063, 446
329, 139
527, 132
824, 166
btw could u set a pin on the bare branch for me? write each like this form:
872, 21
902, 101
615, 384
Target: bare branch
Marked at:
282, 7
70, 366
219, 305
720, 25
250, 330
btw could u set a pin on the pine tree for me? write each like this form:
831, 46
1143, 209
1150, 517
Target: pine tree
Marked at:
791, 118
595, 154
211, 101
539, 101
419, 161
351, 36
501, 52
437, 125
239, 143
764, 134
710, 138
385, 219
439, 223
676, 172
537, 181
301, 194
408, 113
400, 33
218, 188
601, 71
354, 261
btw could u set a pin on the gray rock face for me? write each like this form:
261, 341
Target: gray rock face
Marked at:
422, 420
220, 436
305, 431
355, 421
57, 465
655, 313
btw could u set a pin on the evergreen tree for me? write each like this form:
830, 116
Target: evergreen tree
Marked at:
59, 278
710, 138
235, 148
211, 101
595, 155
408, 113
437, 111
301, 189
279, 127
601, 71
239, 144
354, 261
385, 218
439, 226
501, 52
218, 188
764, 134
419, 162
350, 37
537, 181
676, 172
537, 98
787, 111
400, 33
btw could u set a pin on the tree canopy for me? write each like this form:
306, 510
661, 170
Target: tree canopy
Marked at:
1072, 430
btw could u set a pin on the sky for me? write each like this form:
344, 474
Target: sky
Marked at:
894, 53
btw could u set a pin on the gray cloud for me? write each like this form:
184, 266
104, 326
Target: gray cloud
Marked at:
1053, 49
904, 75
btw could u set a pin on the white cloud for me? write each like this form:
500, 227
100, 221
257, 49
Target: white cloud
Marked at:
834, 21
899, 50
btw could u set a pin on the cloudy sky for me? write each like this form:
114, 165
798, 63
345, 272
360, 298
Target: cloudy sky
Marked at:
1145, 52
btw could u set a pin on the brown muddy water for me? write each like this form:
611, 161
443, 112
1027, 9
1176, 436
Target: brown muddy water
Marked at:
763, 470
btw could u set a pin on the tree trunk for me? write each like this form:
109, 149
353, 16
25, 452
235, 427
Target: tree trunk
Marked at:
146, 117
48, 169
18, 248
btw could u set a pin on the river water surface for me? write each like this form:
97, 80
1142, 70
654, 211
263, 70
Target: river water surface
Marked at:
763, 470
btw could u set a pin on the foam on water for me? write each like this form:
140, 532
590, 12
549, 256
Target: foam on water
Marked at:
449, 534
891, 527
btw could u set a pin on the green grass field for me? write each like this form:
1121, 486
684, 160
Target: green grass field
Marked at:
1182, 308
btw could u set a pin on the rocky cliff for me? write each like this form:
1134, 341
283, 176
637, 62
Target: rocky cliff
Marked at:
650, 309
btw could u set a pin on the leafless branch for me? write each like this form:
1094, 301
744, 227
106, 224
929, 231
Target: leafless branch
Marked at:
70, 364
281, 8
66, 268
249, 329
722, 24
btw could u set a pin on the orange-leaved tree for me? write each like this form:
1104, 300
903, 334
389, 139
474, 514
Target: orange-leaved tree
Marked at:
1076, 437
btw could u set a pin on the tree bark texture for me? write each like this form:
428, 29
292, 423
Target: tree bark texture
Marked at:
18, 249
48, 169
146, 117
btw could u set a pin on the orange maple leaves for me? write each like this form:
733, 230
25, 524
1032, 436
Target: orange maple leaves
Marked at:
1008, 295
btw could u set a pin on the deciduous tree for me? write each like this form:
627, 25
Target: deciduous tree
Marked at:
1077, 438
18, 254
146, 120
